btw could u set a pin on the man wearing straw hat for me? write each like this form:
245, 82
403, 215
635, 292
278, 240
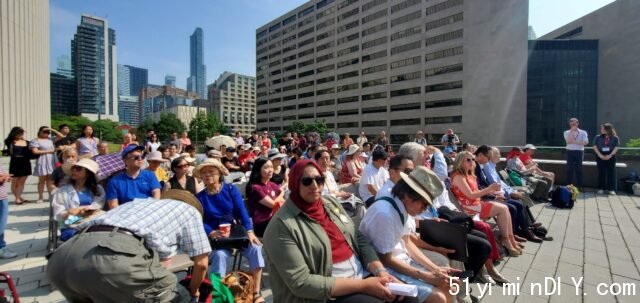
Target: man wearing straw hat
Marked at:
117, 256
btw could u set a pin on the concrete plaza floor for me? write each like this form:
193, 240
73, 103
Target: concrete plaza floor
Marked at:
598, 240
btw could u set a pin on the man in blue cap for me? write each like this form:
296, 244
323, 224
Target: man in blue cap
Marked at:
134, 182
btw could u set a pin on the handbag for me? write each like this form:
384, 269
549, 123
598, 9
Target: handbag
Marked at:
241, 286
446, 234
238, 239
457, 217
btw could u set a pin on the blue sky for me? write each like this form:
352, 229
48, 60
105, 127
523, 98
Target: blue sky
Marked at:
154, 34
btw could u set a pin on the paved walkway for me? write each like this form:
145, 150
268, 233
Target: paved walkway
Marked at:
598, 240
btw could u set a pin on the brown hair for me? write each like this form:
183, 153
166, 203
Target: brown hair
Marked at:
459, 162
608, 128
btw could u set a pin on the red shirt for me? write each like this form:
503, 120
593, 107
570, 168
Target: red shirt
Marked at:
245, 157
267, 143
526, 159
258, 211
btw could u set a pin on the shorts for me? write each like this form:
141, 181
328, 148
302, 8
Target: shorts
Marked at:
424, 288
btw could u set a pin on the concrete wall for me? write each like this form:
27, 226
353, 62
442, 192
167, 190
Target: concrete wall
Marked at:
617, 26
24, 66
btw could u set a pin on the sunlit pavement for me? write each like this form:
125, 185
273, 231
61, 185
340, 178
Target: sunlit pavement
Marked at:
598, 240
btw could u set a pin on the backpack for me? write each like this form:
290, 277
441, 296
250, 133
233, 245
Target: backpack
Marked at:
562, 197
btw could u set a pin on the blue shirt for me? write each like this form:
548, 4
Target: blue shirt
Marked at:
223, 207
125, 188
607, 148
492, 177
439, 166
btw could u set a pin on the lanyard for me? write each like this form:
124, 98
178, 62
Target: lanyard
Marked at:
606, 141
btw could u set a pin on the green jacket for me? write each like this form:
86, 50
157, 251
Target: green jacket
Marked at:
299, 253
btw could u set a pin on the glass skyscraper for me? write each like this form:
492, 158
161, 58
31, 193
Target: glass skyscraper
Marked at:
197, 76
562, 83
131, 80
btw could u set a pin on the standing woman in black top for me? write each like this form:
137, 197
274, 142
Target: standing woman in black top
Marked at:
20, 164
181, 179
606, 147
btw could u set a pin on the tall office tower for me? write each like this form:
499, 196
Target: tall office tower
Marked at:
64, 98
131, 80
93, 59
170, 80
397, 66
233, 100
198, 71
24, 65
63, 66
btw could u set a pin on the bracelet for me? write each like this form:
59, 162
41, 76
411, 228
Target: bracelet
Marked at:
379, 270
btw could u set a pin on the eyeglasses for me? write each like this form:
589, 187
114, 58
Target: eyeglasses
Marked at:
408, 171
306, 181
469, 159
77, 168
137, 158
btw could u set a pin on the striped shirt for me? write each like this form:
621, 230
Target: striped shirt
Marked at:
165, 225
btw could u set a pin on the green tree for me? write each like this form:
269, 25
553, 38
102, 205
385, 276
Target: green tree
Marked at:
143, 128
167, 124
319, 126
632, 143
204, 125
105, 129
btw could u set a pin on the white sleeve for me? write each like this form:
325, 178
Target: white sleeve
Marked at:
375, 226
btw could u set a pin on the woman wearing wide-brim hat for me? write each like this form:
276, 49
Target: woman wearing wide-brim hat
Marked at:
352, 166
80, 197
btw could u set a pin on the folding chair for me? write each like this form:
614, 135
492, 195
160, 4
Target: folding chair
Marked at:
52, 242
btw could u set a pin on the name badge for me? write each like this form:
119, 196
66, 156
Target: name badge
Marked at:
606, 149
344, 219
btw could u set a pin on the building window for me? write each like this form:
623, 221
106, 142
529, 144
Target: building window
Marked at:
306, 95
321, 92
373, 56
288, 118
374, 82
443, 103
373, 96
289, 20
323, 3
305, 116
275, 109
306, 32
288, 88
325, 68
306, 42
305, 63
405, 77
307, 73
443, 21
288, 108
442, 6
304, 53
289, 58
325, 13
406, 47
347, 87
407, 106
325, 46
348, 62
347, 51
443, 120
348, 100
290, 67
349, 38
347, 112
348, 26
348, 14
324, 114
288, 98
324, 57
443, 70
401, 122
288, 48
325, 35
261, 34
348, 125
405, 92
346, 3
305, 84
306, 11
325, 102
367, 6
406, 33
325, 80
373, 110
354, 73
403, 5
374, 16
405, 62
444, 37
374, 123
444, 53
374, 42
443, 86
374, 69
374, 29
406, 18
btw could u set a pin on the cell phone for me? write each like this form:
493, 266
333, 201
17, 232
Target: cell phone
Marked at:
463, 274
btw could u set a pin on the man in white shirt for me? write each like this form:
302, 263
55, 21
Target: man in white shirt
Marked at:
373, 177
576, 139
386, 225
239, 139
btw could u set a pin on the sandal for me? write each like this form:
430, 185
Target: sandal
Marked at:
19, 203
257, 297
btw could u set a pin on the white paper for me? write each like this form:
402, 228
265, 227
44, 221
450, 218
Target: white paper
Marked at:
406, 290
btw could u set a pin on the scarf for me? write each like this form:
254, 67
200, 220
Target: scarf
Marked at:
340, 249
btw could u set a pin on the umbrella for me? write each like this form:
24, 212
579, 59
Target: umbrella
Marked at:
109, 164
216, 141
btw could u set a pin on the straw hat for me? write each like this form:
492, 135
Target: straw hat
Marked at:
86, 163
187, 157
215, 154
183, 196
209, 162
335, 146
353, 148
424, 182
275, 154
156, 156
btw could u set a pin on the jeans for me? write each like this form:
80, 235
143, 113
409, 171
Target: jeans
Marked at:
4, 215
607, 179
574, 163
218, 259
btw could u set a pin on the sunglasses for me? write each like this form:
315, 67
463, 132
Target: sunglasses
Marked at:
408, 171
77, 168
137, 158
469, 159
183, 166
306, 181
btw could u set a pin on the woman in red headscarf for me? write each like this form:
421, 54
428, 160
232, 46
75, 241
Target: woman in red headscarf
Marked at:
315, 252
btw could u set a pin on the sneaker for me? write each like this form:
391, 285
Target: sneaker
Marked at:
613, 193
600, 192
5, 253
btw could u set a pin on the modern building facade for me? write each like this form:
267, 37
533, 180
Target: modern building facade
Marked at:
159, 98
63, 66
24, 66
93, 59
170, 80
233, 100
198, 71
397, 66
562, 82
131, 79
185, 113
532, 34
64, 98
617, 29
129, 110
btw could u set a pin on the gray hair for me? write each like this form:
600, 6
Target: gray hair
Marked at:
411, 150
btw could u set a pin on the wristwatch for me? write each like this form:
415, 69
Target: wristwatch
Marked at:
379, 270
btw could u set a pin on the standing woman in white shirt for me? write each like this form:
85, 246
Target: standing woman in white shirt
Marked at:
576, 139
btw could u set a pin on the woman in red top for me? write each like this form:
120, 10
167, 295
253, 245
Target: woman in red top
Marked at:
265, 197
465, 188
352, 166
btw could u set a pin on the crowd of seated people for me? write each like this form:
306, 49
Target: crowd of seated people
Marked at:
294, 201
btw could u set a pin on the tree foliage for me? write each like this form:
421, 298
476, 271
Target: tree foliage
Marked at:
632, 143
103, 129
205, 125
319, 126
167, 124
